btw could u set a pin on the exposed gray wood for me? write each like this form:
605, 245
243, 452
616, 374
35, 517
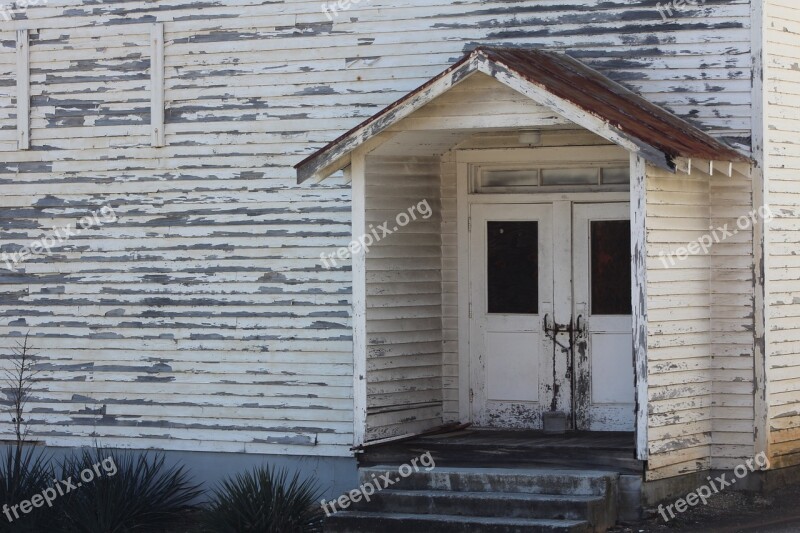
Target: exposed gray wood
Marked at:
202, 319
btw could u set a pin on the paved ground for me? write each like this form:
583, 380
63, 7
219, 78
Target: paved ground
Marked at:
732, 512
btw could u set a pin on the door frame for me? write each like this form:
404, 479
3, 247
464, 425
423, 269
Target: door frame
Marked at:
468, 162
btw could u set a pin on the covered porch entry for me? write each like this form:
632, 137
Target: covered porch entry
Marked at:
499, 249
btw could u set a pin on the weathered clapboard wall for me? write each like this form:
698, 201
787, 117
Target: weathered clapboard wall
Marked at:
732, 303
680, 377
404, 299
202, 318
782, 147
700, 345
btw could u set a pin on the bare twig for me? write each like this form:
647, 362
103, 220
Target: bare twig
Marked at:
19, 382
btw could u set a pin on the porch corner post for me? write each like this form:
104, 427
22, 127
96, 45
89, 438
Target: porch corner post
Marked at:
761, 258
359, 269
638, 205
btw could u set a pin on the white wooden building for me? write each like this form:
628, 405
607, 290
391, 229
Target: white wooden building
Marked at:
566, 170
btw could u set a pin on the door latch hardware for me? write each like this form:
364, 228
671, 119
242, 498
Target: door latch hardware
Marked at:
552, 331
574, 331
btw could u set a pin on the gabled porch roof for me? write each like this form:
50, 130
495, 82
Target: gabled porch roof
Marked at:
560, 83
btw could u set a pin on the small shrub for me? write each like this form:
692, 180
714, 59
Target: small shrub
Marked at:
142, 494
23, 474
264, 501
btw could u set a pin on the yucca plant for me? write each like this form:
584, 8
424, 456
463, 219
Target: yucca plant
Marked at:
23, 474
139, 494
264, 500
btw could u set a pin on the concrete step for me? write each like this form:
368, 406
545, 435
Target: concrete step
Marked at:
504, 480
481, 500
364, 522
487, 504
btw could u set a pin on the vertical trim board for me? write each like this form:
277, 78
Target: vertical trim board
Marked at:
23, 90
462, 223
638, 206
359, 265
157, 85
760, 198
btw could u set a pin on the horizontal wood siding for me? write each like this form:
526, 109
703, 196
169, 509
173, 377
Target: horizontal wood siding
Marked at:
700, 322
782, 87
404, 300
732, 310
680, 371
203, 318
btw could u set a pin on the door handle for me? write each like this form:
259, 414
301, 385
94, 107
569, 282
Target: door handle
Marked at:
557, 328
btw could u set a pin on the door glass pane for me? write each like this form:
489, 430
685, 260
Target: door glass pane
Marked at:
513, 267
611, 267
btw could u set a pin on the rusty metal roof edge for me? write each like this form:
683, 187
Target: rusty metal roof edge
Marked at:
652, 112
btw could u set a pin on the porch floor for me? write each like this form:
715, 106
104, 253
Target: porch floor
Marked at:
509, 448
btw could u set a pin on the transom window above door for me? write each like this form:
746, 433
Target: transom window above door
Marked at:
509, 180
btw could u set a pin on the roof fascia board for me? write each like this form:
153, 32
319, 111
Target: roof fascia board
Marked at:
326, 163
344, 162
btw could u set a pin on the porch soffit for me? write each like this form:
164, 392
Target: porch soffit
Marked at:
560, 83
